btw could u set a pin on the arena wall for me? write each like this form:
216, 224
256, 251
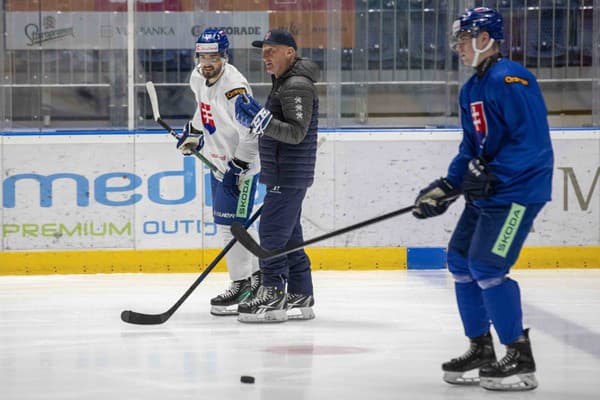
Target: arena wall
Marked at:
104, 202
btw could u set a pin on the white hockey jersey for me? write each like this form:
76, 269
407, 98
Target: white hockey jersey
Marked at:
224, 137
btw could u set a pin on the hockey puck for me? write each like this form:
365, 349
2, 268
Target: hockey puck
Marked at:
247, 379
126, 316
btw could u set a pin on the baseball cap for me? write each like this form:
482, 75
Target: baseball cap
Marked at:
277, 36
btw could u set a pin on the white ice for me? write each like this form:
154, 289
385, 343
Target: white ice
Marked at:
377, 335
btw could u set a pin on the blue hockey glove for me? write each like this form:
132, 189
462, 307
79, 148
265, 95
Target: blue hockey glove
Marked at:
233, 176
479, 181
435, 199
190, 140
251, 114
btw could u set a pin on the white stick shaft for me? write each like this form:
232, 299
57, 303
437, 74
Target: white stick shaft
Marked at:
153, 99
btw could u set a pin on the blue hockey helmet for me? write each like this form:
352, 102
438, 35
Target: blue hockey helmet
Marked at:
212, 41
479, 19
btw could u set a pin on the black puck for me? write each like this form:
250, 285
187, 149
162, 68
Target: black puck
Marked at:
126, 316
247, 379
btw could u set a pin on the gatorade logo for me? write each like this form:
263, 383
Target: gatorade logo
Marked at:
509, 230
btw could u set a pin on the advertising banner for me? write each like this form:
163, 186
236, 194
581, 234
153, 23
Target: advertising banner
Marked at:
123, 192
107, 30
168, 24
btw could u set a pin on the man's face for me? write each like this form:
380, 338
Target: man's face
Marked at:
464, 48
277, 58
210, 64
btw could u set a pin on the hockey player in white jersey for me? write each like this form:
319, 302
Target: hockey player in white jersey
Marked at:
227, 144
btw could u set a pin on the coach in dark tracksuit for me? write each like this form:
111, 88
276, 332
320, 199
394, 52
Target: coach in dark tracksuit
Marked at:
287, 126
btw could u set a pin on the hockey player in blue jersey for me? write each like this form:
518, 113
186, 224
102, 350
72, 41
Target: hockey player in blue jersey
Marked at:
504, 169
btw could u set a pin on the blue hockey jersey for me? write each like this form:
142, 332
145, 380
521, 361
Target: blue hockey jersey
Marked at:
504, 120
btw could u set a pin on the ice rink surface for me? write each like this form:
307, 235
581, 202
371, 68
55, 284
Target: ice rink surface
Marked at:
377, 335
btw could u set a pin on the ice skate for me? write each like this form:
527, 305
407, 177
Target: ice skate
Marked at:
459, 371
226, 303
255, 282
269, 305
299, 306
515, 371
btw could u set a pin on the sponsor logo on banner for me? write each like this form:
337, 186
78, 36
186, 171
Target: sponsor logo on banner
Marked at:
108, 30
148, 30
36, 36
106, 188
229, 30
114, 190
584, 199
63, 229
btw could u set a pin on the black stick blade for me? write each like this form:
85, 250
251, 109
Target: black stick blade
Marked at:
132, 317
241, 234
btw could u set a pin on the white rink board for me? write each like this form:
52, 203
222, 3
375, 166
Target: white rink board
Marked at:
127, 191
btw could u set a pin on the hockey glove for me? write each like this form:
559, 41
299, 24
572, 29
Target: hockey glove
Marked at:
251, 114
479, 181
234, 175
435, 199
190, 140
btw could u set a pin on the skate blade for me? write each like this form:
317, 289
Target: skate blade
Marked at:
266, 317
224, 311
459, 378
519, 382
300, 313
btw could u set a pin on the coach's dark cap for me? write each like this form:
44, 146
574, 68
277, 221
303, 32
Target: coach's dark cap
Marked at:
277, 36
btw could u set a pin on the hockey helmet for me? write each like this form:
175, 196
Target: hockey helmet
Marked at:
212, 41
476, 20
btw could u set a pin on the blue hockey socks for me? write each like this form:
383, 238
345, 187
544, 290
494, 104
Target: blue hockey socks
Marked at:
503, 303
472, 310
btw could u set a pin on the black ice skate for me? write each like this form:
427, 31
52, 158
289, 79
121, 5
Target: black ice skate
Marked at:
269, 305
255, 282
481, 353
226, 303
515, 371
299, 306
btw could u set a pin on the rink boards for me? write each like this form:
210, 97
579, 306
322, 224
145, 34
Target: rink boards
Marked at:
102, 202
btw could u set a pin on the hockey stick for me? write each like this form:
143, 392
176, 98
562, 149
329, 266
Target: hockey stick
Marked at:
137, 318
248, 241
242, 235
154, 102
